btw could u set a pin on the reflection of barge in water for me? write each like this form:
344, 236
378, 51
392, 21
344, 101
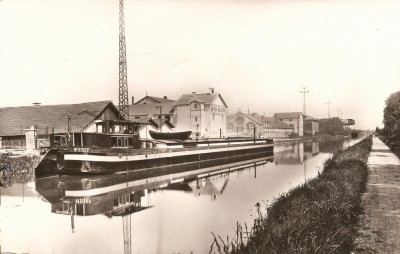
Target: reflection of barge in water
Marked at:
118, 194
115, 149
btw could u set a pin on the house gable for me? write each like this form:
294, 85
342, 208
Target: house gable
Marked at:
153, 99
207, 99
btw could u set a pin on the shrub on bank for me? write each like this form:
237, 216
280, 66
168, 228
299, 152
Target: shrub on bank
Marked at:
19, 169
393, 143
317, 217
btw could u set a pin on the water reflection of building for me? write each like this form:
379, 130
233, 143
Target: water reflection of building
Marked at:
311, 149
122, 193
332, 145
289, 153
213, 186
110, 204
295, 153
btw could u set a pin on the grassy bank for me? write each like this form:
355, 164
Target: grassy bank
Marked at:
17, 169
319, 216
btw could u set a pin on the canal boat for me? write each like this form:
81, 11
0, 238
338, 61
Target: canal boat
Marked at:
117, 147
184, 135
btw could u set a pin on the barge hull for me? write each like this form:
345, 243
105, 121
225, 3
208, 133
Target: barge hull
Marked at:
80, 163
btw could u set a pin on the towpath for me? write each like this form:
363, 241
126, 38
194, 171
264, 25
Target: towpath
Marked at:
379, 229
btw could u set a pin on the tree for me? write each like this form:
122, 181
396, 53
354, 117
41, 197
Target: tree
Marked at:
391, 114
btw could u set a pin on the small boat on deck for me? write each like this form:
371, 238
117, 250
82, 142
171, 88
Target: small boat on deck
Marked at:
184, 135
117, 148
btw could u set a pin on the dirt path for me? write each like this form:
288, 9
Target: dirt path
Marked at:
379, 230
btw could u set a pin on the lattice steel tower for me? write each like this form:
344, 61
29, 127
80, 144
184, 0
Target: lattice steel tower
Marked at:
123, 79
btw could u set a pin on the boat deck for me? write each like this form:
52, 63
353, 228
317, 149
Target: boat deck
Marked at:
167, 146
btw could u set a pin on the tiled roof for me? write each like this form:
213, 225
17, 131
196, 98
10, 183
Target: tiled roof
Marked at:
146, 120
13, 119
151, 121
307, 117
156, 99
275, 123
205, 98
150, 109
292, 115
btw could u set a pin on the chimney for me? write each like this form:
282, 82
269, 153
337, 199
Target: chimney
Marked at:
165, 97
211, 90
133, 100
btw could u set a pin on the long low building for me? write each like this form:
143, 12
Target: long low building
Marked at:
52, 119
248, 125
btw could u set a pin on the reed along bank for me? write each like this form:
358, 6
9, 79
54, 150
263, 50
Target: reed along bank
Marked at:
319, 216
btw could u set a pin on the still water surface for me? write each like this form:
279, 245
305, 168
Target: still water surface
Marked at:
163, 214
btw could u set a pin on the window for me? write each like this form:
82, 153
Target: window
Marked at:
122, 141
63, 141
239, 122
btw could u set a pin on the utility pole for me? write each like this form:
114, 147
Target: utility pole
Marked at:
304, 99
123, 79
339, 112
329, 113
160, 117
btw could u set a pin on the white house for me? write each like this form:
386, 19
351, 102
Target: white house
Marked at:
203, 114
293, 119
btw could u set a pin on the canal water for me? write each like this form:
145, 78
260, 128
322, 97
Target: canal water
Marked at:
167, 213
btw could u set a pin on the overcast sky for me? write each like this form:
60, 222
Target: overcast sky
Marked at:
258, 54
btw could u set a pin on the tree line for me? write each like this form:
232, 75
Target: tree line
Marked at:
391, 116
